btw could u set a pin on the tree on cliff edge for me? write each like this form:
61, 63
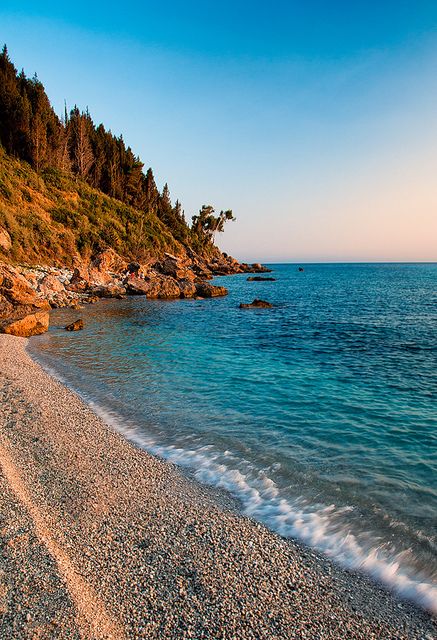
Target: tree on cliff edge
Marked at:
206, 224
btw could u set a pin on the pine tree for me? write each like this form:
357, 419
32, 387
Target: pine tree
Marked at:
31, 131
80, 146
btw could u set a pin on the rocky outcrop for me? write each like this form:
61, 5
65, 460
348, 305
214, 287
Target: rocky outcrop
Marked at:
136, 286
16, 289
28, 325
77, 325
187, 289
256, 267
22, 312
163, 287
107, 262
6, 307
256, 304
111, 290
104, 270
5, 240
79, 280
50, 285
175, 268
206, 290
155, 285
27, 291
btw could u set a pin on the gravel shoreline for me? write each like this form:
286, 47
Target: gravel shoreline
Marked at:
99, 539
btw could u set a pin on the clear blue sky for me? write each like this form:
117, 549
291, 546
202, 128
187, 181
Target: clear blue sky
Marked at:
316, 122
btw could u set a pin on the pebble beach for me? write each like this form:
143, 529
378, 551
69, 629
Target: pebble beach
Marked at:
99, 539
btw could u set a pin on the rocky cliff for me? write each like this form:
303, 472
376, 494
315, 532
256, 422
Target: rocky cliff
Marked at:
63, 243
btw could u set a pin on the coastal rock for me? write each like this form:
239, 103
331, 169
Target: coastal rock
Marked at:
79, 280
15, 288
29, 325
6, 307
224, 266
110, 291
63, 299
136, 286
5, 240
164, 287
187, 289
77, 325
49, 285
101, 272
153, 286
173, 267
260, 268
200, 269
260, 279
256, 304
256, 267
108, 261
206, 290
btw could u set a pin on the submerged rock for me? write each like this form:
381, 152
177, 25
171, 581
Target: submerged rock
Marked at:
77, 325
260, 279
256, 304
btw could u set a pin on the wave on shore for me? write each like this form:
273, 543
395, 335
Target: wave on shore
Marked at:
316, 525
317, 416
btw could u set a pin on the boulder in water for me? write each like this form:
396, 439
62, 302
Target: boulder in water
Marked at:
77, 325
206, 290
256, 304
260, 279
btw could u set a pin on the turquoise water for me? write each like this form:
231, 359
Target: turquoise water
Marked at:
320, 414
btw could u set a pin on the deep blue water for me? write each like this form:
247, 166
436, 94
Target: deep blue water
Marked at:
319, 414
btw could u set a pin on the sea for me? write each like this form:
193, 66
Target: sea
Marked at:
318, 415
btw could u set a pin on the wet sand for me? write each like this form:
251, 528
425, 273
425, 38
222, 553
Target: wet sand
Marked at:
99, 539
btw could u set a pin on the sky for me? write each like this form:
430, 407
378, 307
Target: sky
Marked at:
314, 121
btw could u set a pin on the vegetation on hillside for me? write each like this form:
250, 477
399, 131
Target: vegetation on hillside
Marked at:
53, 217
68, 186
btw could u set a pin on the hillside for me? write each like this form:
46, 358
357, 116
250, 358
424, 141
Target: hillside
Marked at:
67, 164
54, 218
80, 219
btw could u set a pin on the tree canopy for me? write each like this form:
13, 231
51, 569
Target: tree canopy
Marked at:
30, 130
206, 224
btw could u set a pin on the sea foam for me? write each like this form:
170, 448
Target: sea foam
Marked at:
316, 525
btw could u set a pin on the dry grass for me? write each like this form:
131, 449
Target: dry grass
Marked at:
54, 217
